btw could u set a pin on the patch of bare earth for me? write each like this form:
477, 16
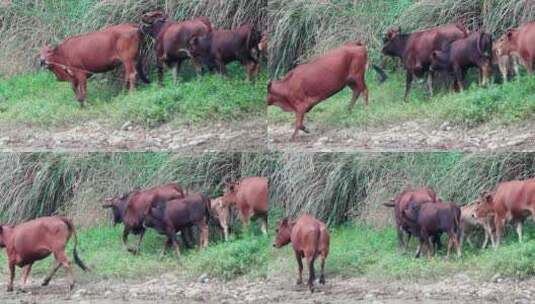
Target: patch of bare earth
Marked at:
95, 136
168, 288
407, 136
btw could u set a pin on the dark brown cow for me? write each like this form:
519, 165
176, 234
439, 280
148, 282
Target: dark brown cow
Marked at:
310, 83
35, 240
171, 39
224, 46
78, 57
401, 203
432, 219
510, 201
250, 195
310, 239
170, 216
415, 49
520, 43
130, 208
462, 54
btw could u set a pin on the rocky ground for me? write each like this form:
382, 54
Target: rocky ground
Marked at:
95, 136
408, 136
168, 288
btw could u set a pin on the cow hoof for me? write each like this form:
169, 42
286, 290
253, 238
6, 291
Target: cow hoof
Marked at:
9, 288
299, 282
322, 281
45, 283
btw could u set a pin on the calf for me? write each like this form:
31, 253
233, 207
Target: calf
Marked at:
510, 201
401, 203
470, 223
415, 49
171, 39
130, 208
250, 195
224, 46
310, 239
222, 213
170, 216
311, 83
431, 219
520, 43
263, 45
462, 54
78, 57
506, 63
35, 240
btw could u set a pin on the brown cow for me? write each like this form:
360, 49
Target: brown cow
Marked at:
171, 39
250, 195
170, 216
35, 240
310, 83
222, 213
415, 49
507, 64
310, 239
130, 208
224, 46
470, 222
510, 201
78, 57
520, 43
401, 203
431, 219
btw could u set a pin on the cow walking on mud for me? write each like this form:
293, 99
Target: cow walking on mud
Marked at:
250, 195
35, 240
78, 57
311, 83
310, 239
171, 40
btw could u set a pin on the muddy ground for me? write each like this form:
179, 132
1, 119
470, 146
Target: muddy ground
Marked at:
408, 136
168, 288
95, 136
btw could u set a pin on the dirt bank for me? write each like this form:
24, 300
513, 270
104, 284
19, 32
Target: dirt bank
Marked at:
460, 288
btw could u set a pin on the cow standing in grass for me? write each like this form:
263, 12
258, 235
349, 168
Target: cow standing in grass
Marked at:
78, 57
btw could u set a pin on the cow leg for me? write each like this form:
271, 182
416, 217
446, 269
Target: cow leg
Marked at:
419, 248
11, 275
225, 232
62, 259
430, 83
176, 70
519, 230
25, 273
197, 65
322, 267
51, 273
457, 246
502, 66
159, 68
82, 89
485, 241
187, 237
203, 243
300, 268
311, 274
126, 232
264, 226
140, 240
459, 79
429, 246
299, 117
528, 64
130, 74
166, 243
408, 82
499, 227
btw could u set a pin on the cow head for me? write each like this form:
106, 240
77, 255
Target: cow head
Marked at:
439, 61
221, 210
394, 44
412, 211
200, 45
45, 53
229, 194
284, 232
117, 205
485, 44
484, 206
263, 44
391, 33
150, 18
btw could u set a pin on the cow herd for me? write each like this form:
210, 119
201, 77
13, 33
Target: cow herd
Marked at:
450, 50
169, 209
79, 57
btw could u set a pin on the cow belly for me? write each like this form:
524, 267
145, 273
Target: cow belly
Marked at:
30, 257
284, 106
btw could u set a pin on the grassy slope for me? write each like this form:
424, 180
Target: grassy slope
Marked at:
38, 99
356, 250
498, 104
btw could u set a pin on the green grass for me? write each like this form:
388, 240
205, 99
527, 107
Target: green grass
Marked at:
356, 250
38, 99
498, 104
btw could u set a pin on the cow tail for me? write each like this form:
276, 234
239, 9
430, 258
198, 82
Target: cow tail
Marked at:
207, 207
380, 72
72, 231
